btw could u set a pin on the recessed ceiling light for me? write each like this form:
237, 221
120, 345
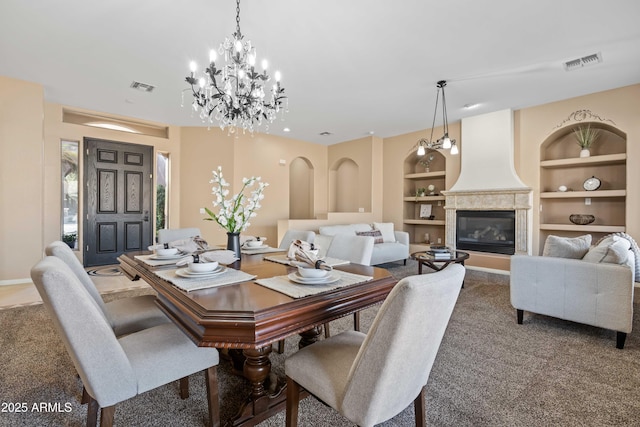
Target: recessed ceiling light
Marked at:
471, 106
371, 132
286, 130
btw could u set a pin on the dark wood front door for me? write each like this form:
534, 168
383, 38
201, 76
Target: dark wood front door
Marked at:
118, 200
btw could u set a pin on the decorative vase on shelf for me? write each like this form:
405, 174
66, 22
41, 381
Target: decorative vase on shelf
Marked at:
233, 243
585, 152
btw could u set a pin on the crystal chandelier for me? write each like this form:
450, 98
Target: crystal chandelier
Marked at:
444, 142
234, 94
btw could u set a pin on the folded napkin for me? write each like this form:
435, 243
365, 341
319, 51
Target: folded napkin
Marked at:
306, 253
222, 257
188, 245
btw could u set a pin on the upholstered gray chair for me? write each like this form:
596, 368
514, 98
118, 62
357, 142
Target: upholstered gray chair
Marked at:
125, 315
292, 235
371, 378
166, 235
355, 249
115, 369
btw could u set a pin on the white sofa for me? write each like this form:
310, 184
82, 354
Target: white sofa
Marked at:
594, 293
394, 248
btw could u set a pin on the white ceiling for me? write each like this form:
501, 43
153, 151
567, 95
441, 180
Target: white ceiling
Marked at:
349, 67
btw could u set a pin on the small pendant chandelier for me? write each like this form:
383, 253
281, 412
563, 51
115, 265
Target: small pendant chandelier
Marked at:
444, 142
234, 94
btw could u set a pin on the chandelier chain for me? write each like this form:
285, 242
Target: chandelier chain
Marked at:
238, 17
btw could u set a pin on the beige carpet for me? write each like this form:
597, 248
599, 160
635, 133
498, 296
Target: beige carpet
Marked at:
489, 372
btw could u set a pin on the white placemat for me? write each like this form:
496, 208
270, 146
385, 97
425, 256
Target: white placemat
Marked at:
157, 262
230, 276
282, 259
285, 286
267, 250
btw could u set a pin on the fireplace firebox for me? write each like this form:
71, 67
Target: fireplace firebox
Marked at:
486, 231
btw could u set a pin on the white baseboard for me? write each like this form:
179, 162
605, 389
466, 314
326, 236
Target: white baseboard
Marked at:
16, 282
488, 270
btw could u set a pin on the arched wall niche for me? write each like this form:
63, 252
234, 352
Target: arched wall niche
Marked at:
562, 143
301, 189
344, 186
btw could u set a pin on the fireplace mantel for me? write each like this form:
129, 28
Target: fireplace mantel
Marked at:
518, 199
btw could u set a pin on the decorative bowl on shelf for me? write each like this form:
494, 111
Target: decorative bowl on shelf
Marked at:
581, 219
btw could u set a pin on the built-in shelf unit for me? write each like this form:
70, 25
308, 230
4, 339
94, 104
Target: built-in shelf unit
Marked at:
416, 176
561, 165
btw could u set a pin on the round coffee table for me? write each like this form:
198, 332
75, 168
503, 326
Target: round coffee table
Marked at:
424, 258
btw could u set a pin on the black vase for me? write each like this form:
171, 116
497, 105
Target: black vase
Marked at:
233, 243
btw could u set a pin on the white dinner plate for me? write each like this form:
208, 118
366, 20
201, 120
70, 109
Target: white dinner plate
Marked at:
297, 278
184, 272
166, 257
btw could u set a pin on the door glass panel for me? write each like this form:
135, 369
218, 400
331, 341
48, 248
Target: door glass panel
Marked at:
69, 214
162, 196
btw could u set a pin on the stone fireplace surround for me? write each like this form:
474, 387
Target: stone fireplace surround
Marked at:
520, 200
488, 180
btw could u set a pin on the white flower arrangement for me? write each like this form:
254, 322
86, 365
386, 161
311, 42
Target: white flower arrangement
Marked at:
235, 212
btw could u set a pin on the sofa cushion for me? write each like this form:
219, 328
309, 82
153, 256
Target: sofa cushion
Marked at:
613, 250
376, 234
566, 247
352, 229
386, 228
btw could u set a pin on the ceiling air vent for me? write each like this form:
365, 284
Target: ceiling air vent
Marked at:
143, 87
592, 59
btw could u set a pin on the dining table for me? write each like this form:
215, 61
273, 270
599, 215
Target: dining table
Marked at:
247, 317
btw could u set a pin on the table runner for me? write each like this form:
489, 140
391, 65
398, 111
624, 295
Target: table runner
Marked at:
282, 259
193, 284
285, 286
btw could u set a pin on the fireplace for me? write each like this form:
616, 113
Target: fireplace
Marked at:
486, 231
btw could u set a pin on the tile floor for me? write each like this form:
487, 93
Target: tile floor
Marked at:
105, 278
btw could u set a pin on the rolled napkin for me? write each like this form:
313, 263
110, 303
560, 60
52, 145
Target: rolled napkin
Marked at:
306, 253
221, 257
188, 245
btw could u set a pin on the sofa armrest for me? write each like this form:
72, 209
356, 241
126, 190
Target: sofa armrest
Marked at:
402, 237
596, 294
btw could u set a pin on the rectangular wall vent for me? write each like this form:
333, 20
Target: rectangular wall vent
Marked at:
592, 59
143, 87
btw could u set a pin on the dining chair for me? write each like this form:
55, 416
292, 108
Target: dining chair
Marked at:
372, 378
166, 235
125, 315
355, 249
291, 235
116, 369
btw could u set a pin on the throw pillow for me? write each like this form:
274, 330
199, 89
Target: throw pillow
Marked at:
386, 228
613, 250
566, 247
376, 234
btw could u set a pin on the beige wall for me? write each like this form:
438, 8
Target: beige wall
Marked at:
31, 130
22, 169
259, 155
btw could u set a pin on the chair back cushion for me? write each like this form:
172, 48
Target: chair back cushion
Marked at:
291, 235
63, 251
396, 357
166, 235
91, 343
356, 249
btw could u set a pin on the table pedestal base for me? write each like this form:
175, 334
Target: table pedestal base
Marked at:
268, 392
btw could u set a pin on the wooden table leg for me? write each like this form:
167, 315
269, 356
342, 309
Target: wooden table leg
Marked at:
267, 397
310, 336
